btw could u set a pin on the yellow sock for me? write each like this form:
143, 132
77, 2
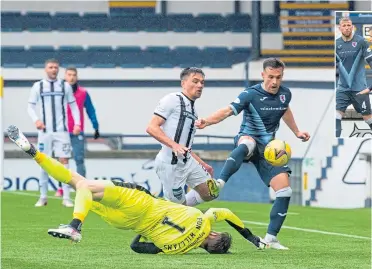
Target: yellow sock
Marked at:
54, 168
83, 203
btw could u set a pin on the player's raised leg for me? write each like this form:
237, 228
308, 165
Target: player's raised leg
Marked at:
245, 148
48, 164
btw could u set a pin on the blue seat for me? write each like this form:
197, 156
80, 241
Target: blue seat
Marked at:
125, 22
37, 55
157, 57
240, 54
11, 22
67, 22
70, 48
182, 23
154, 23
77, 58
239, 22
186, 55
212, 23
215, 55
13, 55
96, 22
37, 21
129, 55
102, 56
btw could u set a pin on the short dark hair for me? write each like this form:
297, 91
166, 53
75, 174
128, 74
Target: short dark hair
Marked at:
220, 244
51, 60
190, 70
273, 63
71, 68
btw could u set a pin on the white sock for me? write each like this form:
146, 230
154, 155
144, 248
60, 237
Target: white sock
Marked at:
66, 188
193, 198
270, 237
220, 183
44, 178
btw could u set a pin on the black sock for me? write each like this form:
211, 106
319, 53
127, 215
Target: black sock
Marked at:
76, 223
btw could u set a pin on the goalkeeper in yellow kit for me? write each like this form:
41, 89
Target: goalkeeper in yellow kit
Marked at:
171, 228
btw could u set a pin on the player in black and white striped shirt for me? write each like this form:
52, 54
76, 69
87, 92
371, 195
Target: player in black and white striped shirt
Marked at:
173, 126
53, 95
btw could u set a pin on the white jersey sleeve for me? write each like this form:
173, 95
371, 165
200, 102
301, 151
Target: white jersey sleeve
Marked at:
33, 100
34, 94
166, 106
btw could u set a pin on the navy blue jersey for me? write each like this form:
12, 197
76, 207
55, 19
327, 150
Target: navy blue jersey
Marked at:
262, 111
351, 57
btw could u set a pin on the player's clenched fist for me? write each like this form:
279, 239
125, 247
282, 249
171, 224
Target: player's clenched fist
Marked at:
39, 125
201, 123
303, 135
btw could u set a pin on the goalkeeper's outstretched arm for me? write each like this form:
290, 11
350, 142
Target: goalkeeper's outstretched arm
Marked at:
220, 214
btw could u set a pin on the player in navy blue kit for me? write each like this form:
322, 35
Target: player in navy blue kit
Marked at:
352, 51
263, 105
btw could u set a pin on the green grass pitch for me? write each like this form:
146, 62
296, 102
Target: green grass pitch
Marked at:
26, 244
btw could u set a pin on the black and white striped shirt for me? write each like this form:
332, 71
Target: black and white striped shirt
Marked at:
53, 96
180, 116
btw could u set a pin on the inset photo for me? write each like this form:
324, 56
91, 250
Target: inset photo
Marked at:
353, 55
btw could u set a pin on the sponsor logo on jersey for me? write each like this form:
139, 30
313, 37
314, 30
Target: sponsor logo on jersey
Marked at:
190, 115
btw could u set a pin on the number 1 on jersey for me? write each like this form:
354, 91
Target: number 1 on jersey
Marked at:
167, 221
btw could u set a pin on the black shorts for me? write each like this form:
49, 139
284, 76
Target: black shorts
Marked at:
360, 102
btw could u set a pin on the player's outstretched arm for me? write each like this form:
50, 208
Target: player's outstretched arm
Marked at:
144, 247
291, 123
220, 214
215, 118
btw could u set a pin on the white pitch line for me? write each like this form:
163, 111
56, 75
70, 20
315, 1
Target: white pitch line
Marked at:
310, 230
31, 194
245, 221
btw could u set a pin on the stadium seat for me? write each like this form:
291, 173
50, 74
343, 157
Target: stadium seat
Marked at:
239, 55
11, 22
37, 21
96, 22
124, 22
239, 22
37, 55
13, 55
190, 56
129, 55
154, 23
212, 23
215, 55
158, 57
103, 56
67, 22
182, 23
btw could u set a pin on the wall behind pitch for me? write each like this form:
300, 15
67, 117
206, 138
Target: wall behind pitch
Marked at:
245, 185
128, 111
55, 6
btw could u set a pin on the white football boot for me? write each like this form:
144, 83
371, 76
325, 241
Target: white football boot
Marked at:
66, 232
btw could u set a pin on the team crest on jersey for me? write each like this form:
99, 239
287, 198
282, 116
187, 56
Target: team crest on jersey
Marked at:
354, 44
282, 98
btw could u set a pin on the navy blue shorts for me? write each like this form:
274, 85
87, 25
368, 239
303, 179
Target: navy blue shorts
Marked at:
264, 169
360, 102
